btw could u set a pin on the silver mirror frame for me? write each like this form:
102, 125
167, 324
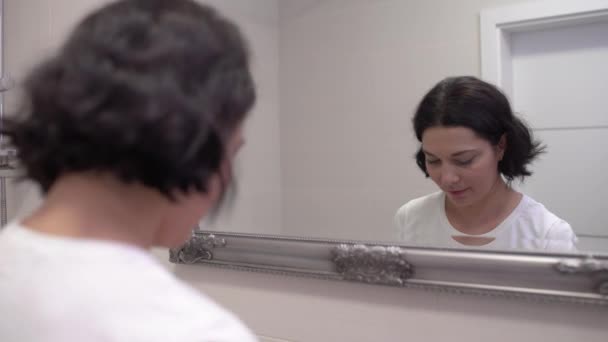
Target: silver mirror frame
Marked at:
573, 278
577, 278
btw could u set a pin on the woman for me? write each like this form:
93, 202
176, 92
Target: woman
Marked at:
473, 147
130, 131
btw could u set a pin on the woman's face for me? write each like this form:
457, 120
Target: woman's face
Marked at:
191, 207
461, 163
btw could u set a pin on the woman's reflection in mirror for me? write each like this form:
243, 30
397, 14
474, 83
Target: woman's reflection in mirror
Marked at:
473, 147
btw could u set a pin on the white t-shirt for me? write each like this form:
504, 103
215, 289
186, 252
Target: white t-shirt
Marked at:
530, 226
58, 289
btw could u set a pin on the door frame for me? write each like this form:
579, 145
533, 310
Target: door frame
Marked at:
496, 26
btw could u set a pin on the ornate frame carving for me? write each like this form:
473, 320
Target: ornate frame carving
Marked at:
578, 278
372, 264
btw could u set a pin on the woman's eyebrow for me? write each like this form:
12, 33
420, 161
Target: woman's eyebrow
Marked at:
428, 153
462, 152
456, 154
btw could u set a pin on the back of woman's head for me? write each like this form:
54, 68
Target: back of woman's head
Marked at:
477, 105
148, 90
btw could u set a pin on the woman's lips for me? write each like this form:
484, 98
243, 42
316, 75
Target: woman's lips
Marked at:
457, 192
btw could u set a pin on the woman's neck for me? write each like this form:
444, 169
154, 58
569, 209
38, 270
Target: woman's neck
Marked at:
486, 214
94, 206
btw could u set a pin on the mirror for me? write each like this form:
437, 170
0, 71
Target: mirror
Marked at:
330, 144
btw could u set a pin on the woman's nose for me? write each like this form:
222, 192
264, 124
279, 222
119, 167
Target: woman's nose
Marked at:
449, 177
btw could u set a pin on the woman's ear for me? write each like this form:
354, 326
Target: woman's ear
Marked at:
501, 146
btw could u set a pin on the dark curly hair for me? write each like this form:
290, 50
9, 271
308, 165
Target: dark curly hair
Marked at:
469, 102
148, 90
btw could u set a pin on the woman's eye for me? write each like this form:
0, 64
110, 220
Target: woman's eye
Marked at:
432, 161
463, 162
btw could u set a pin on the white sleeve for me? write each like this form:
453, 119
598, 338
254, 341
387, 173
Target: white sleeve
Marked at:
561, 237
401, 224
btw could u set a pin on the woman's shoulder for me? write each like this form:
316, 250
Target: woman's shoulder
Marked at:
418, 207
422, 203
418, 219
173, 309
545, 223
201, 312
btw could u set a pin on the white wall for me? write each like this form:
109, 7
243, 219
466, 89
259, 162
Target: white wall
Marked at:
34, 28
258, 204
351, 75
